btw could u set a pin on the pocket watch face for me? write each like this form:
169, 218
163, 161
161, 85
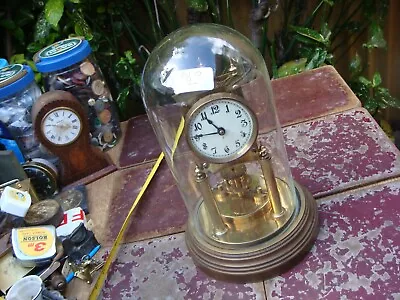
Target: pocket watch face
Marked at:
221, 128
61, 126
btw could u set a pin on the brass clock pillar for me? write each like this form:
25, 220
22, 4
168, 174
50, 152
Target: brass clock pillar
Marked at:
208, 96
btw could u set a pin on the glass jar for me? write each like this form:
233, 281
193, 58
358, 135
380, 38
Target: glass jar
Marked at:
208, 96
68, 65
18, 92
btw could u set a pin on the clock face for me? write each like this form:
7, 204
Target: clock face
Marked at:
61, 126
221, 129
44, 183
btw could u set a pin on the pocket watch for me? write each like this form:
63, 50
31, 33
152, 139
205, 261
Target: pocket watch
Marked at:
221, 128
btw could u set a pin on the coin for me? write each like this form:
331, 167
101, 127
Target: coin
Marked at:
70, 199
98, 87
87, 68
99, 105
45, 212
91, 102
108, 136
105, 116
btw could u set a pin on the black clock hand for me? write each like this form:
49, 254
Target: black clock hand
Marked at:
221, 130
212, 123
201, 135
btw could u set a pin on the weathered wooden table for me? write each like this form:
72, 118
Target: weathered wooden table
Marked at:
335, 149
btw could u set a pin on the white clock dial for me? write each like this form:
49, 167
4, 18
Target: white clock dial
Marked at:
221, 130
61, 126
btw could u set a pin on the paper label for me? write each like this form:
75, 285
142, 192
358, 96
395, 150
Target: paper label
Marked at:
71, 220
191, 80
35, 241
17, 195
9, 72
60, 47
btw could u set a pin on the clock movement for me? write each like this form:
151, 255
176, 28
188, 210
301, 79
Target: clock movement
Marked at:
61, 126
208, 96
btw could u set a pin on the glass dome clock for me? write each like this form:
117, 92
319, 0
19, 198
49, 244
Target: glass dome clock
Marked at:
208, 96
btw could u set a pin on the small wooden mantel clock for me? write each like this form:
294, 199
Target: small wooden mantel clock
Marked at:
61, 125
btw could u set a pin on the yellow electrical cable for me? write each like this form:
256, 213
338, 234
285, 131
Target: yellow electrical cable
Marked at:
114, 250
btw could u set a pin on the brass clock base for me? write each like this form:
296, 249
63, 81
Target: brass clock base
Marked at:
262, 259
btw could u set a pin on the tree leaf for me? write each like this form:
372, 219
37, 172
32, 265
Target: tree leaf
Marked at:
53, 11
198, 5
355, 65
122, 99
384, 98
371, 105
19, 34
305, 40
365, 81
329, 2
309, 33
42, 28
8, 24
317, 60
376, 80
129, 56
376, 37
17, 59
101, 9
292, 67
326, 31
34, 47
81, 26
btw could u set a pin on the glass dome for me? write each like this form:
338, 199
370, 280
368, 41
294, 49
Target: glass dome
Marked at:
208, 96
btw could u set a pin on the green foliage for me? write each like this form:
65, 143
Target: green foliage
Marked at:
373, 96
121, 33
53, 11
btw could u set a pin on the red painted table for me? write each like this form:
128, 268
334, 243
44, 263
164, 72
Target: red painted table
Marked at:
339, 153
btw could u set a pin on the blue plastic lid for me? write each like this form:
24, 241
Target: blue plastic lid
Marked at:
3, 62
14, 78
62, 54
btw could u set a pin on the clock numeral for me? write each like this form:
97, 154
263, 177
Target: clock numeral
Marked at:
74, 127
69, 116
238, 113
203, 116
243, 134
59, 138
205, 146
244, 123
214, 150
56, 114
74, 120
48, 132
226, 149
53, 137
214, 109
227, 108
198, 126
51, 119
237, 143
196, 138
63, 113
66, 137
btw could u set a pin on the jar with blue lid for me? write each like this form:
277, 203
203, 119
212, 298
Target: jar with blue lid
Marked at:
69, 65
18, 92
